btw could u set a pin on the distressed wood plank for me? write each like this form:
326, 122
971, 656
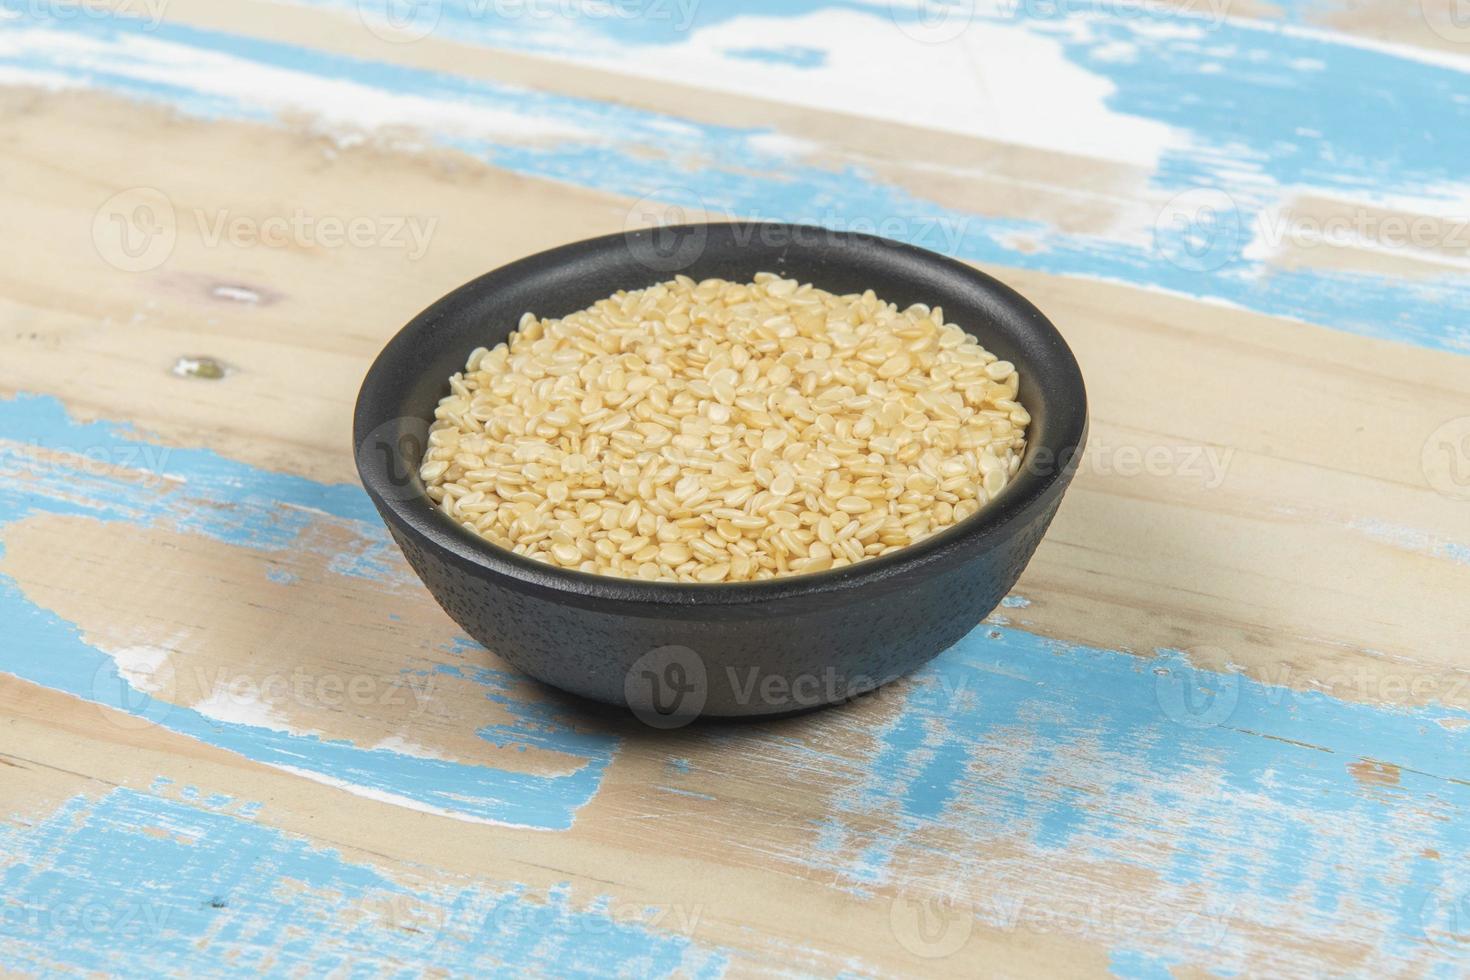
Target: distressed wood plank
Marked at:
1221, 726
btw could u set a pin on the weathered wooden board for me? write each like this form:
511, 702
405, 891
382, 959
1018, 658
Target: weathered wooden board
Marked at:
1222, 726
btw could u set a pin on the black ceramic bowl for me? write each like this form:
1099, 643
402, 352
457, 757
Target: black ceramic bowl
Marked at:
672, 651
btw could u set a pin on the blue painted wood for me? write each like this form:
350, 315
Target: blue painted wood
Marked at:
1037, 769
1240, 799
1269, 114
197, 491
143, 883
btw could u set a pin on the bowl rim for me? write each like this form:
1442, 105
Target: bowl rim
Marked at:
1030, 492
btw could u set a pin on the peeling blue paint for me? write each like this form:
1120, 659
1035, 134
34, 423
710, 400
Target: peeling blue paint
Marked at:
729, 170
197, 491
1250, 781
1230, 785
1140, 966
134, 884
1238, 813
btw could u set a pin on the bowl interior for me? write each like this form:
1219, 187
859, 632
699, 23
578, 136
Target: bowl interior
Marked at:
405, 384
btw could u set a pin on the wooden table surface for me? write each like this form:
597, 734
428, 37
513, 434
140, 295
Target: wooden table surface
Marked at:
1221, 727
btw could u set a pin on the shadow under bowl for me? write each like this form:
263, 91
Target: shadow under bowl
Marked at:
674, 651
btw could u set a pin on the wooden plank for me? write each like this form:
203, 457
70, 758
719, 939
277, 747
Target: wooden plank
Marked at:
1221, 726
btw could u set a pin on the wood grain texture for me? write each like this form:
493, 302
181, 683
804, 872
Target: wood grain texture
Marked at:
1222, 726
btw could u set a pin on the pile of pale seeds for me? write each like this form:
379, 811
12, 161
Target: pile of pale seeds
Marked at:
721, 432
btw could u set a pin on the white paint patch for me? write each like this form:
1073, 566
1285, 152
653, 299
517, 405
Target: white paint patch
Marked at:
382, 796
144, 667
968, 85
781, 145
271, 90
51, 81
401, 746
1166, 30
235, 708
1429, 228
1409, 52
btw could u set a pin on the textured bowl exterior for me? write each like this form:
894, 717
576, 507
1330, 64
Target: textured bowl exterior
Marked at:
780, 657
675, 651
